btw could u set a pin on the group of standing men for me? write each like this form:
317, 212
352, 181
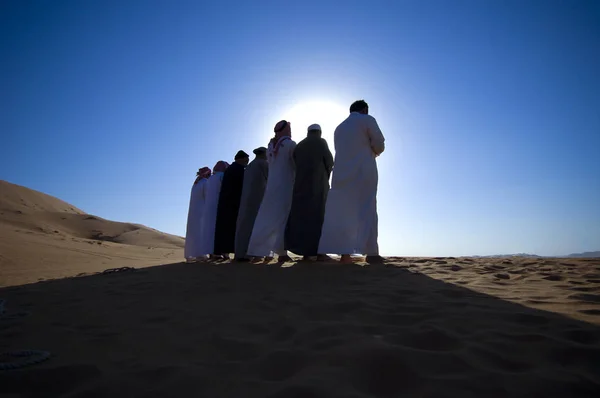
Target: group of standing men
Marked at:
281, 201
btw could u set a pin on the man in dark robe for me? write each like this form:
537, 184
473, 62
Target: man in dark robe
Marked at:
229, 205
314, 163
255, 182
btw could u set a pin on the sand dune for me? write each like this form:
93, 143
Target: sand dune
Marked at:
231, 330
44, 238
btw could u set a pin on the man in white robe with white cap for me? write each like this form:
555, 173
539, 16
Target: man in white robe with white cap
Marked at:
350, 225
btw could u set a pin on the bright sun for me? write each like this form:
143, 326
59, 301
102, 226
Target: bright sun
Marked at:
327, 114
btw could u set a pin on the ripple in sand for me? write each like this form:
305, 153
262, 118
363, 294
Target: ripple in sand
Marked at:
46, 382
281, 365
591, 312
298, 391
586, 337
527, 319
429, 339
497, 362
588, 298
382, 372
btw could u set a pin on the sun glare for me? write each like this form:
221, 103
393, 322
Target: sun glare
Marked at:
327, 114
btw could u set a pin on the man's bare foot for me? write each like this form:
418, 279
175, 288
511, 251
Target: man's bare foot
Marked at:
323, 257
267, 259
346, 259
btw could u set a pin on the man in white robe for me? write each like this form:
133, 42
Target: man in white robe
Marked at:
268, 234
350, 225
209, 218
193, 235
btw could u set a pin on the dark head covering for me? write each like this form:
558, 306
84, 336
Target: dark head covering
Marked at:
260, 150
241, 154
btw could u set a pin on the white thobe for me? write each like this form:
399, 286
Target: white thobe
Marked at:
209, 217
193, 234
350, 225
269, 228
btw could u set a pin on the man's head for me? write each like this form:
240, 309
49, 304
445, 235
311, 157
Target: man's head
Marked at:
242, 158
314, 129
360, 106
204, 172
260, 152
221, 166
282, 128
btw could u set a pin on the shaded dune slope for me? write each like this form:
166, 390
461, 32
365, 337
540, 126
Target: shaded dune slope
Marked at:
31, 210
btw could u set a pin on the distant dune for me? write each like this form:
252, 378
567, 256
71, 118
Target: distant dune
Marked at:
44, 237
586, 255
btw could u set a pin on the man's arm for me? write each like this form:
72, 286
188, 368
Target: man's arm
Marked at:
265, 169
327, 158
375, 136
293, 155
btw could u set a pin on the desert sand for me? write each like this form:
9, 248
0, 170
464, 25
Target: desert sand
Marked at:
43, 238
418, 327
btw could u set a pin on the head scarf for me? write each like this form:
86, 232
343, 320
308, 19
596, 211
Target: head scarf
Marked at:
220, 166
282, 133
202, 173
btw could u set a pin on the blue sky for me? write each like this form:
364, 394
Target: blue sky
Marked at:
491, 109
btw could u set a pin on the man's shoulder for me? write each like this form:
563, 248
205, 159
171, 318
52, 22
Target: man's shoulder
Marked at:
365, 117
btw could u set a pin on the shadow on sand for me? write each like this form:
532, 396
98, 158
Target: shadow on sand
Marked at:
310, 330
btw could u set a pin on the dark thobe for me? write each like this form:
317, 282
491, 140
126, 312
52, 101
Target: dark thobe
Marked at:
228, 208
255, 182
313, 162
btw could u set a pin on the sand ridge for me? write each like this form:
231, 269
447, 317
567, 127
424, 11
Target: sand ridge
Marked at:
228, 330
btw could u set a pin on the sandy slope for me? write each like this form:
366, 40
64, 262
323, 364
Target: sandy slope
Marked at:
43, 237
227, 330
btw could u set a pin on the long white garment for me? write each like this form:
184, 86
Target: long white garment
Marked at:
193, 235
209, 217
269, 228
350, 225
